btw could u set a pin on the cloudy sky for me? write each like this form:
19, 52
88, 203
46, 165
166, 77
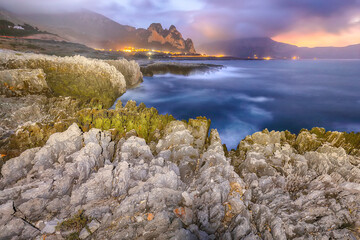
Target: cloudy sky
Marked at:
301, 22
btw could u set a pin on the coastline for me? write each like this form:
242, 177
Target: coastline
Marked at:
132, 171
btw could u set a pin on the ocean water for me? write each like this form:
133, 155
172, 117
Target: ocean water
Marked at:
249, 96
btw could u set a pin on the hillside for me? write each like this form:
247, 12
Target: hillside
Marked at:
8, 28
98, 31
249, 47
266, 47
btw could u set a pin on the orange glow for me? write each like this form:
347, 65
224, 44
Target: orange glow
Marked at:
267, 58
320, 38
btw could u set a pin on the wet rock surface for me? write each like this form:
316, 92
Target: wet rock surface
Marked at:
95, 185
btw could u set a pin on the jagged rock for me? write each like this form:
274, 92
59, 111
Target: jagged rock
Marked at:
50, 227
186, 189
18, 167
170, 37
295, 184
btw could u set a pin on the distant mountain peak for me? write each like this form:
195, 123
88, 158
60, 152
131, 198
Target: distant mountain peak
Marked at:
156, 27
97, 31
170, 36
172, 28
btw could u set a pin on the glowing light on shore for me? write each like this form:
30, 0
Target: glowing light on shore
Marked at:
267, 58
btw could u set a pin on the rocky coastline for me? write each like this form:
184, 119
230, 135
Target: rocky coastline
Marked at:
74, 169
158, 68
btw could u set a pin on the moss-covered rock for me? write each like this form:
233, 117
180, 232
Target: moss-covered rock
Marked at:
74, 225
305, 141
76, 76
28, 121
145, 121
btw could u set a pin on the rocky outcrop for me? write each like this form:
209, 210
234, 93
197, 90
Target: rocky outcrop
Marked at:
300, 187
41, 95
77, 76
170, 36
122, 189
97, 185
28, 121
186, 69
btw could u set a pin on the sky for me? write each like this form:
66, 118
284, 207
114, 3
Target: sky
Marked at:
307, 23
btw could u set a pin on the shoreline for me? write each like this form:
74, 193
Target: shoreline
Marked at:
76, 169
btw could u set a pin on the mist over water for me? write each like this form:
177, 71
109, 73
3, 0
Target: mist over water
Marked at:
248, 96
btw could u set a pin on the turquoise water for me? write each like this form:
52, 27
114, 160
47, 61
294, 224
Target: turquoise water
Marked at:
248, 96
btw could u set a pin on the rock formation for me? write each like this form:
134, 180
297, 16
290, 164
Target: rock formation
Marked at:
300, 186
186, 69
41, 95
89, 185
170, 36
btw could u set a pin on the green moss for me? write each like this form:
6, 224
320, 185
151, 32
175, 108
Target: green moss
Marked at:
123, 119
74, 224
73, 236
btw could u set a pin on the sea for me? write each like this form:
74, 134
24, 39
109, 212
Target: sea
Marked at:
248, 96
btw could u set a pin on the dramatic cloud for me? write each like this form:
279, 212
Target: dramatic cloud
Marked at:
304, 22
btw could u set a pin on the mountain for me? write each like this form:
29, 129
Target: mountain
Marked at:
97, 31
266, 47
249, 47
171, 37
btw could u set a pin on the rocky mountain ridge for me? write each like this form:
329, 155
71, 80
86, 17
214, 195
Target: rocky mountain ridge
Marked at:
97, 31
171, 36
